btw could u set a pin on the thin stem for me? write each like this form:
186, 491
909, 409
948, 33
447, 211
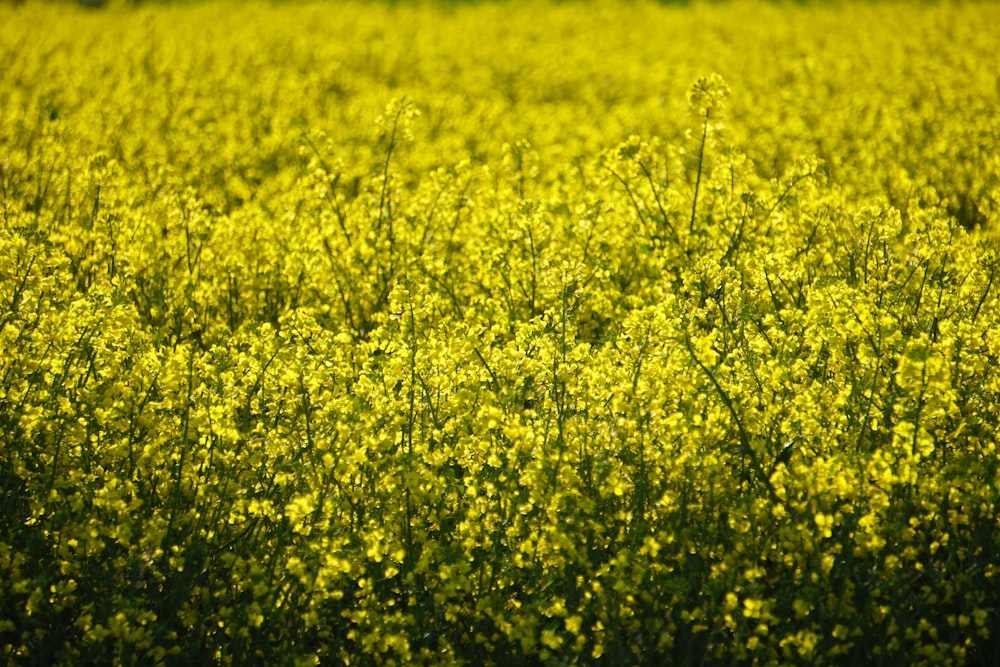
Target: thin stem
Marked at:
701, 162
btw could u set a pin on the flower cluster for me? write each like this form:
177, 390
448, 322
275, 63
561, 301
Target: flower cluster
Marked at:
499, 334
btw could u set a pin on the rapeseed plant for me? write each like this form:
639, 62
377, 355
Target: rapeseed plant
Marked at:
326, 345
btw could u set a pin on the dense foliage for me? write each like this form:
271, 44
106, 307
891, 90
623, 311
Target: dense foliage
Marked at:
503, 333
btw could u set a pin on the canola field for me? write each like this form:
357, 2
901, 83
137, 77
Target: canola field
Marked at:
500, 333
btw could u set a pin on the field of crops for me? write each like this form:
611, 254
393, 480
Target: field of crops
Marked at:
513, 333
